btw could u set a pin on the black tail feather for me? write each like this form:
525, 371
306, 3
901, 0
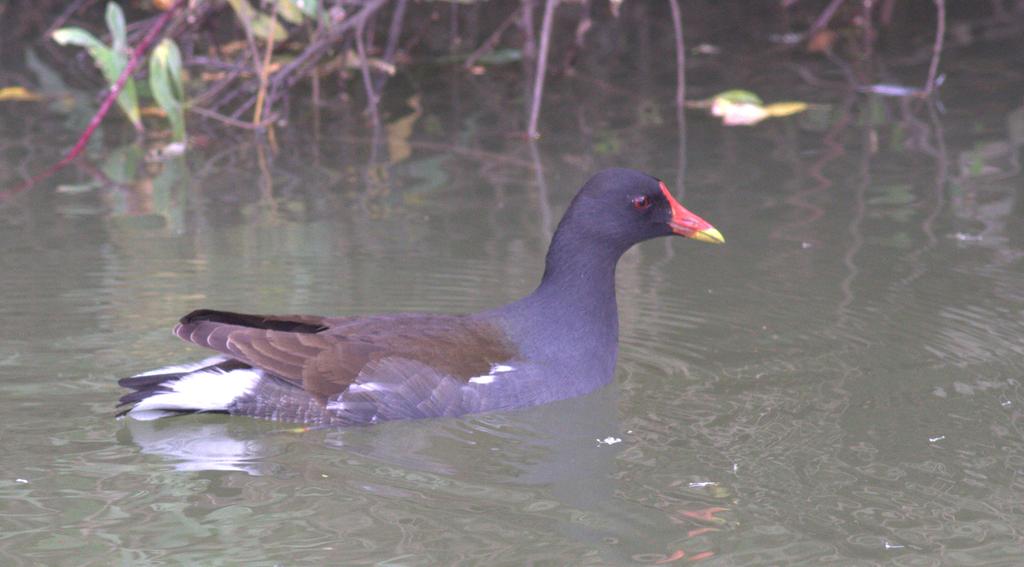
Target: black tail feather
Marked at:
148, 381
254, 321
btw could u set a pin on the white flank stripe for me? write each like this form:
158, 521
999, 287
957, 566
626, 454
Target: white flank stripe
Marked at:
367, 387
184, 368
202, 391
488, 378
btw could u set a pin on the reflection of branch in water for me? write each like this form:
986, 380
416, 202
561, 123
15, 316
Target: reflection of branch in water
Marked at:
459, 150
677, 26
856, 234
542, 191
375, 174
372, 98
269, 204
938, 151
833, 150
940, 34
586, 136
542, 65
376, 145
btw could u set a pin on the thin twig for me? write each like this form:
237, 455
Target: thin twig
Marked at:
289, 74
265, 67
129, 68
453, 27
542, 66
869, 32
526, 23
216, 88
492, 40
584, 25
391, 48
364, 67
260, 126
824, 18
394, 31
940, 34
64, 16
250, 40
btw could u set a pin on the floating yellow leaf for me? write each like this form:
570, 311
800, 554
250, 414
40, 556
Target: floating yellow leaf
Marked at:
787, 108
19, 93
743, 108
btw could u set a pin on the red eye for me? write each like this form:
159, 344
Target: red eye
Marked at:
642, 202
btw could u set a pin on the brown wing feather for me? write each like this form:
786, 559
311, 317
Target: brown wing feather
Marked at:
325, 355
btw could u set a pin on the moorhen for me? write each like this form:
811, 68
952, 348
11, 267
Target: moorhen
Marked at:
558, 342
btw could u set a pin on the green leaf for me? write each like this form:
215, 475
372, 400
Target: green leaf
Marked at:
501, 56
739, 96
116, 25
263, 26
259, 23
243, 10
289, 11
309, 7
165, 84
110, 63
76, 36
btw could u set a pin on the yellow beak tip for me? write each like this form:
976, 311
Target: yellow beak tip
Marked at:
709, 235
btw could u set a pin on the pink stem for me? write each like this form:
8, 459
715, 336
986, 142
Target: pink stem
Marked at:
133, 62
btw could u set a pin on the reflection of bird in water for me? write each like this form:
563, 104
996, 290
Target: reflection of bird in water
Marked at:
544, 462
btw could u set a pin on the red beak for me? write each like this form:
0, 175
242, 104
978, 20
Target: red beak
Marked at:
685, 223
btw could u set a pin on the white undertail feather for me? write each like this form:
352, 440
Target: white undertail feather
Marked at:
209, 390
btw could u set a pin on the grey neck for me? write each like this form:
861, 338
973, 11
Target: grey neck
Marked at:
573, 310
